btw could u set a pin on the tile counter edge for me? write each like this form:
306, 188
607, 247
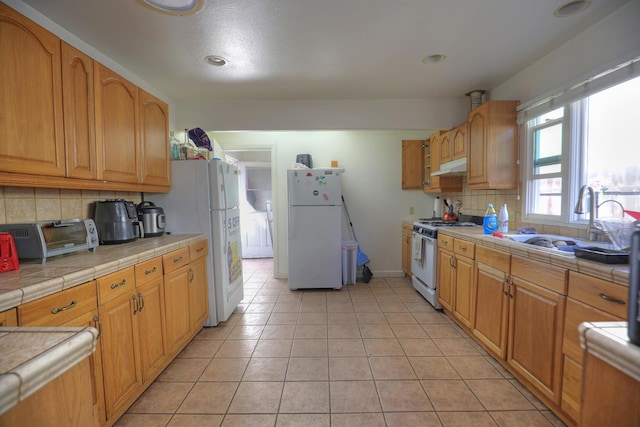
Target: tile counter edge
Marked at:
34, 280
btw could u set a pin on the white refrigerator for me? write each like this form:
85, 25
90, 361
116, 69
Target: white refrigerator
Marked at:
315, 228
204, 198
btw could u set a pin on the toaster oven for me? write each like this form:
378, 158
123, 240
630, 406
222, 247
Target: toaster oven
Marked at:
42, 240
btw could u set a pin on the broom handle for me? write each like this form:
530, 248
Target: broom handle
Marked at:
344, 205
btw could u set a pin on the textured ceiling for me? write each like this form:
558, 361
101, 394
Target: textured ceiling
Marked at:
324, 49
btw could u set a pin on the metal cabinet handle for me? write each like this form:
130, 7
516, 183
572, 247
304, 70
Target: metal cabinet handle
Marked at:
608, 298
136, 306
117, 285
510, 287
199, 249
463, 248
96, 320
191, 275
56, 310
141, 301
177, 259
153, 270
505, 288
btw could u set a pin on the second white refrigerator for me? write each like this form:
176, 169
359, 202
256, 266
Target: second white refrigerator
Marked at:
315, 228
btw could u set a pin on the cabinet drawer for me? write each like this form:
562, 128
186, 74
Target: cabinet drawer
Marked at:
464, 248
576, 313
542, 274
198, 249
174, 260
148, 271
59, 308
115, 284
606, 296
445, 242
493, 258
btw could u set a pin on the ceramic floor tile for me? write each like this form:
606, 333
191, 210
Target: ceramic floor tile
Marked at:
371, 318
400, 319
312, 318
349, 368
256, 398
383, 347
464, 419
225, 370
499, 395
339, 347
341, 318
376, 331
192, 420
433, 368
343, 331
419, 347
428, 318
161, 398
403, 396
340, 307
307, 420
283, 319
236, 348
390, 368
520, 419
474, 367
442, 330
245, 332
422, 419
354, 397
409, 331
451, 395
393, 307
455, 347
309, 348
184, 369
305, 397
271, 332
200, 349
311, 331
143, 420
253, 420
308, 369
273, 348
350, 420
218, 333
266, 369
366, 307
208, 398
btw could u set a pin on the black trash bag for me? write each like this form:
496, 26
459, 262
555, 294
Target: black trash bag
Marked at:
366, 274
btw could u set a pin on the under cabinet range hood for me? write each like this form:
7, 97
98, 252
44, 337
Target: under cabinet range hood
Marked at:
454, 167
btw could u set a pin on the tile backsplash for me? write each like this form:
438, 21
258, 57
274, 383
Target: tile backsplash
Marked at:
18, 204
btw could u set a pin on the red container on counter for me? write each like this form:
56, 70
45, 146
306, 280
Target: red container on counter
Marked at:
8, 253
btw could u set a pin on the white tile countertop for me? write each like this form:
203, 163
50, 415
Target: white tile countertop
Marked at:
35, 280
32, 357
609, 342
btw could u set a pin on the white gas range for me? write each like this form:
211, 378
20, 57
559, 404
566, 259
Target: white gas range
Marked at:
424, 256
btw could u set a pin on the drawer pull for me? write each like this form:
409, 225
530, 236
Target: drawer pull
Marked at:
56, 310
191, 275
117, 285
463, 248
200, 249
153, 270
608, 298
177, 259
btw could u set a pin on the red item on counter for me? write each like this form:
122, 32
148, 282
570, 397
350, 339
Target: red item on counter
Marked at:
498, 234
8, 253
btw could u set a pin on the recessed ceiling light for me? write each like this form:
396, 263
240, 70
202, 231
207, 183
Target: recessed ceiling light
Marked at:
215, 60
174, 7
571, 8
434, 59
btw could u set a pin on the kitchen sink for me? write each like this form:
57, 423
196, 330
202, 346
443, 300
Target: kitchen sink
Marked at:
563, 243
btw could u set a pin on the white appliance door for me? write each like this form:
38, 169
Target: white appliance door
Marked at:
315, 244
314, 187
188, 211
225, 191
227, 258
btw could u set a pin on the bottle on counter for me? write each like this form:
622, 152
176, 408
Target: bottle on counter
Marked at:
490, 222
503, 220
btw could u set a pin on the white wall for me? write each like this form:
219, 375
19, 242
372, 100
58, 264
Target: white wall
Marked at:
371, 185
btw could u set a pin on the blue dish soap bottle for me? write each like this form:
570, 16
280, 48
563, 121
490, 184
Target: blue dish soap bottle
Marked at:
490, 222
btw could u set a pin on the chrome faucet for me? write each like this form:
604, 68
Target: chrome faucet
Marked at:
592, 230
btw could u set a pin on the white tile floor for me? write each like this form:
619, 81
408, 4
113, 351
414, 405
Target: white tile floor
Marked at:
373, 354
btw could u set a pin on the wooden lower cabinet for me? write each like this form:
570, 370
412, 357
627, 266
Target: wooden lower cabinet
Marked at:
198, 295
72, 307
176, 294
464, 285
445, 275
407, 246
9, 318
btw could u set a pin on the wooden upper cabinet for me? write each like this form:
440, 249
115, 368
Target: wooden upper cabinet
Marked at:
459, 142
412, 164
117, 136
493, 146
31, 97
445, 147
154, 133
78, 103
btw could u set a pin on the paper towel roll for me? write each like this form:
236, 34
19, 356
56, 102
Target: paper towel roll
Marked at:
437, 208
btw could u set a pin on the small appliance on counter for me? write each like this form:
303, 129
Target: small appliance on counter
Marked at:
41, 240
117, 221
8, 253
152, 218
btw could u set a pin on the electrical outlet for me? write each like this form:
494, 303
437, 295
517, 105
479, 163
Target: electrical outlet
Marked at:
411, 210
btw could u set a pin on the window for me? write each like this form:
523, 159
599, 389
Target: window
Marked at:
595, 141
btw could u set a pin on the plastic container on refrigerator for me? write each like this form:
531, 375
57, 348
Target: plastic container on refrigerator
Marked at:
349, 261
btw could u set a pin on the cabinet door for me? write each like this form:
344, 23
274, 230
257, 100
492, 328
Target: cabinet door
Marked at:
412, 164
445, 147
464, 294
535, 336
459, 142
120, 364
9, 318
117, 140
198, 298
491, 309
477, 162
151, 328
176, 296
31, 97
445, 278
407, 240
154, 134
435, 161
79, 113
